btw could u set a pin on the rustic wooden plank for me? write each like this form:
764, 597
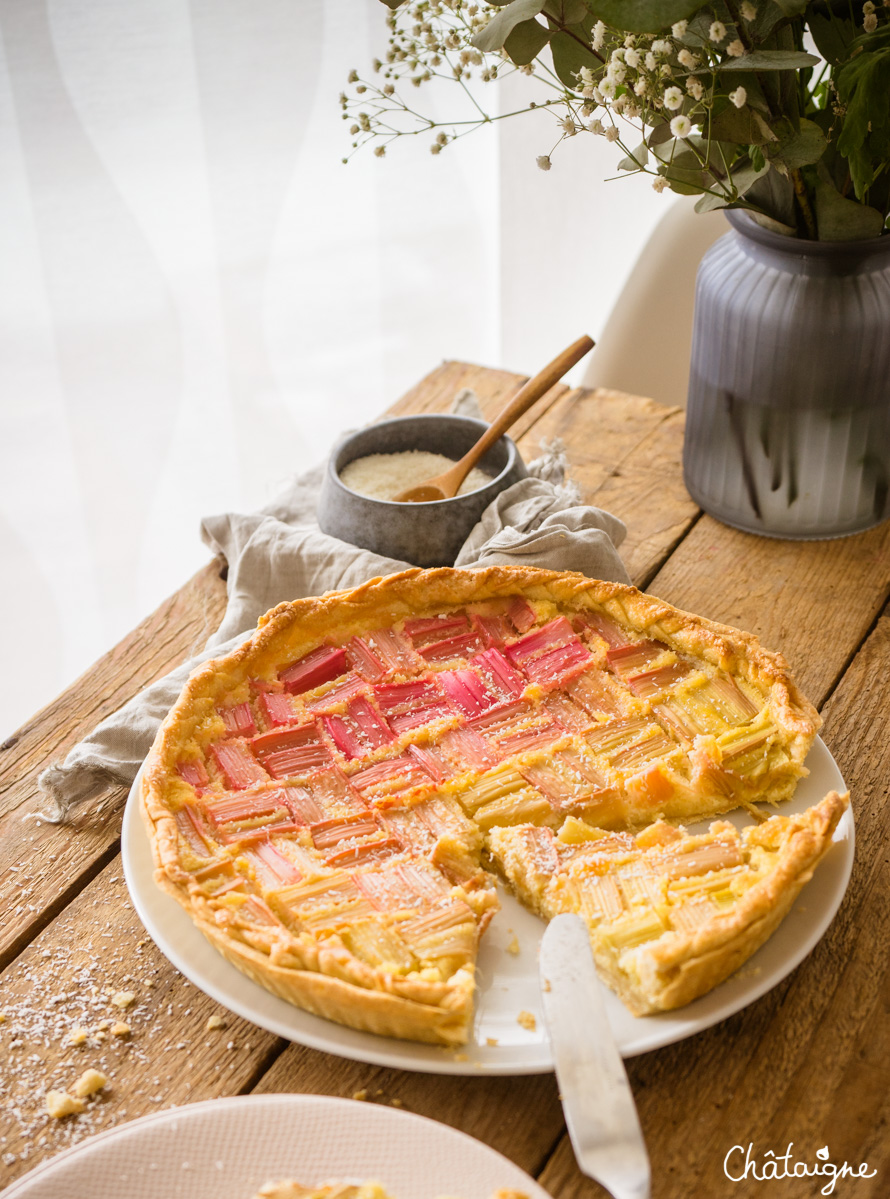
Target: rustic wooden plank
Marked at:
624, 452
58, 860
807, 1063
494, 388
59, 983
520, 1117
813, 600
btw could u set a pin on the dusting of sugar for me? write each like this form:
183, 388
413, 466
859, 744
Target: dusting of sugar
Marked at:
383, 476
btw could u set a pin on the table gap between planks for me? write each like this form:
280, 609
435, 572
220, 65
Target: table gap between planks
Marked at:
806, 1063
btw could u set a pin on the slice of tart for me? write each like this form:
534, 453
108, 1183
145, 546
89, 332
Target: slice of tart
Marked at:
317, 799
671, 914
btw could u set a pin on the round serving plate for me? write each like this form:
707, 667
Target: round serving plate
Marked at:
228, 1148
507, 965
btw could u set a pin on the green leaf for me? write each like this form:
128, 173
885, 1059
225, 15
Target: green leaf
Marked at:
742, 126
708, 203
767, 222
642, 16
526, 41
745, 177
863, 86
766, 60
802, 148
832, 37
636, 160
499, 28
568, 12
393, 3
774, 194
790, 8
569, 56
840, 219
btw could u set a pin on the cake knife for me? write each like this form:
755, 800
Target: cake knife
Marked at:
596, 1097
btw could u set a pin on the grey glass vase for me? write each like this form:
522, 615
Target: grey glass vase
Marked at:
788, 418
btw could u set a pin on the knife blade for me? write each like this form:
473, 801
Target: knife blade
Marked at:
599, 1107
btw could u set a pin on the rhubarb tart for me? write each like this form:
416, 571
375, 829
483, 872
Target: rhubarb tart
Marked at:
320, 799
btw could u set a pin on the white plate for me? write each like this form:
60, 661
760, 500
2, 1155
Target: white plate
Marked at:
228, 1148
508, 982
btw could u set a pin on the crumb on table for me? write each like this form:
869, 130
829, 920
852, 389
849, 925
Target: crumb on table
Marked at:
527, 1020
513, 947
89, 1083
60, 1104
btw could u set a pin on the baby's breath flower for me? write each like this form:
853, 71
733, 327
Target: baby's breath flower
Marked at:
673, 99
435, 148
651, 61
352, 77
870, 23
612, 134
661, 47
659, 184
678, 29
585, 77
353, 129
632, 58
618, 54
717, 32
739, 97
735, 49
687, 59
631, 110
568, 125
361, 89
641, 87
616, 71
868, 7
695, 88
380, 151
599, 36
607, 89
543, 161
597, 128
681, 126
388, 89
749, 11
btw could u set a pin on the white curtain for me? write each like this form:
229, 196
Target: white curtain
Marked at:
197, 297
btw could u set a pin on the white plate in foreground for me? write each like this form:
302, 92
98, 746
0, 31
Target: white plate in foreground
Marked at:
508, 982
228, 1148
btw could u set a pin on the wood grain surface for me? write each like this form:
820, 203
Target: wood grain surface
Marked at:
807, 1063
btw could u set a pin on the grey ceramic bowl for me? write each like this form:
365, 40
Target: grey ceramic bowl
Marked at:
423, 534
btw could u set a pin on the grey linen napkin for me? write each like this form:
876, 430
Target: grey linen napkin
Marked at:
279, 554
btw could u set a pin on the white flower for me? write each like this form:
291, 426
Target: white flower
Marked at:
681, 126
435, 148
380, 151
749, 11
607, 89
616, 71
673, 99
868, 7
599, 35
678, 29
650, 60
661, 47
641, 87
543, 162
618, 55
586, 77
687, 59
596, 127
717, 32
612, 134
739, 97
735, 49
695, 88
632, 58
659, 184
568, 126
870, 23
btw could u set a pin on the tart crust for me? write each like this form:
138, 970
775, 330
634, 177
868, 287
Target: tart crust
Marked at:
428, 1003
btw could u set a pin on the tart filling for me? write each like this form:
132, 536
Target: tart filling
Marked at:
671, 914
318, 799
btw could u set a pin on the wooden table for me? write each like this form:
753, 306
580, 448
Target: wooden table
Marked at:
806, 1063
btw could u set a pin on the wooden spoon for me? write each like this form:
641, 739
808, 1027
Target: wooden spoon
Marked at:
445, 486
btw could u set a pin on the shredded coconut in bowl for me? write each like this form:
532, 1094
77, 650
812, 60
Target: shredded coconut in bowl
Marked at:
384, 476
